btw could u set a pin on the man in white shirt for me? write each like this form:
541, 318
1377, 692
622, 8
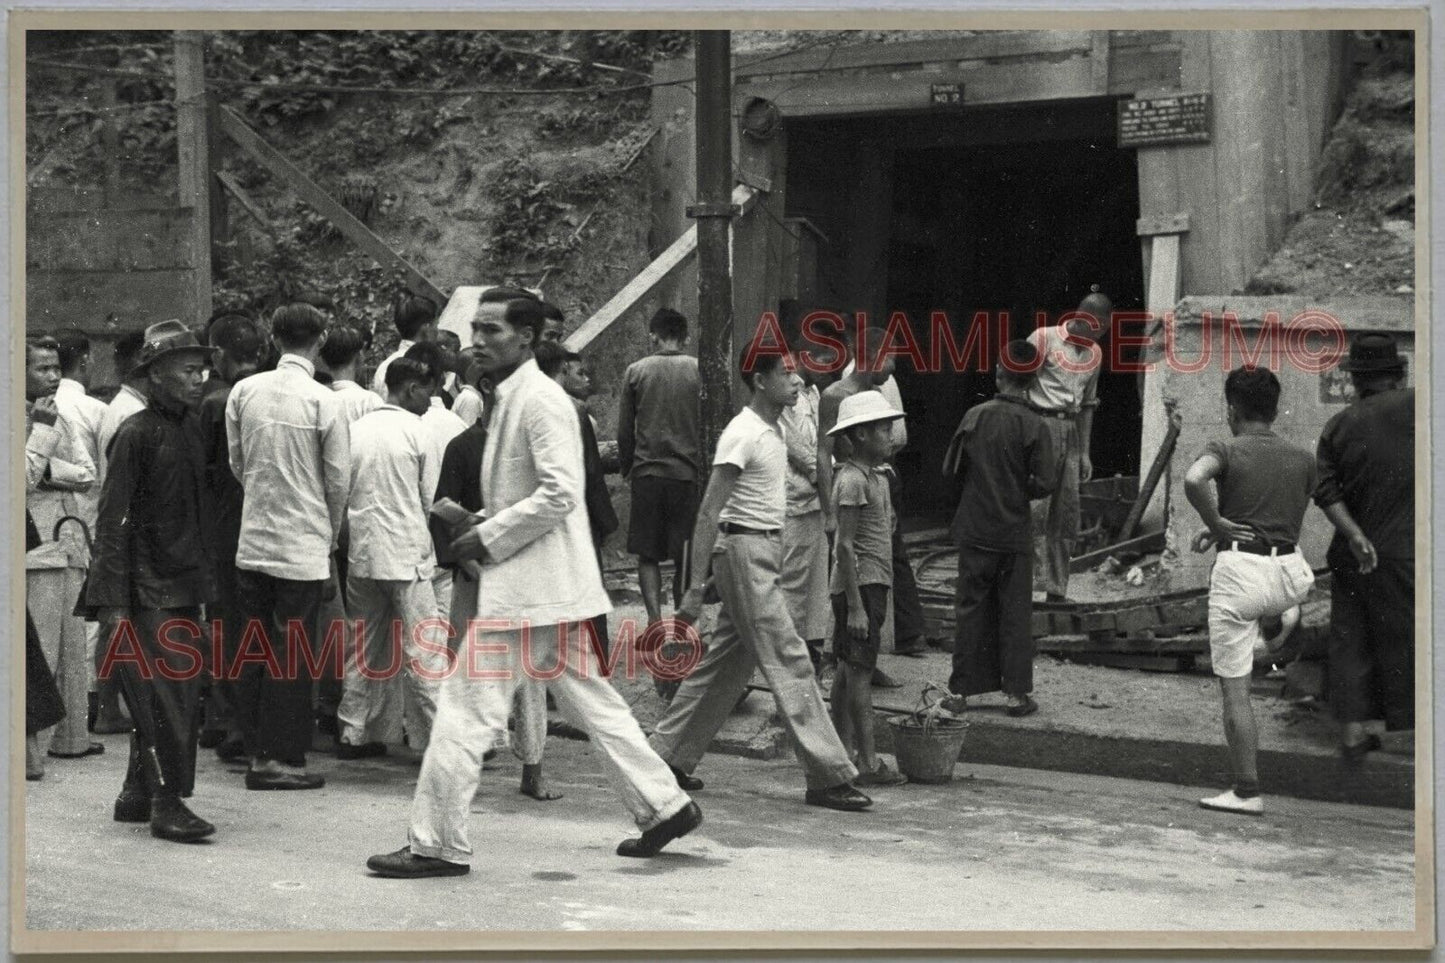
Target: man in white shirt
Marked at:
739, 547
390, 562
540, 577
470, 403
341, 356
57, 470
440, 426
84, 414
804, 574
1065, 392
290, 451
415, 318
127, 401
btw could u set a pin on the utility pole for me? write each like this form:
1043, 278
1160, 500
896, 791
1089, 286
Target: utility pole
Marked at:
714, 211
192, 145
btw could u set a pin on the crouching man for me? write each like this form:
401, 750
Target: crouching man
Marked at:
152, 571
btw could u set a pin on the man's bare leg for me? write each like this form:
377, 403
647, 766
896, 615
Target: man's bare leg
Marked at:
534, 785
649, 582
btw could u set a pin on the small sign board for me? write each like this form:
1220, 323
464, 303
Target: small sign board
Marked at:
1153, 121
945, 95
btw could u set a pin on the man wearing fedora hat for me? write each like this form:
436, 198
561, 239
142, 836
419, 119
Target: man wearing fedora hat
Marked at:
151, 574
1366, 469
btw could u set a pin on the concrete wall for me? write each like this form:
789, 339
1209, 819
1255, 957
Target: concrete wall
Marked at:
1308, 400
106, 264
1276, 95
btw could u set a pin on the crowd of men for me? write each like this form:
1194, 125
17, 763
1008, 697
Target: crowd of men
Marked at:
243, 478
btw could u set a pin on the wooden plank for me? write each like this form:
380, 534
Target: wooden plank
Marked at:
1134, 71
649, 278
110, 241
1143, 544
327, 206
62, 200
1099, 59
1152, 224
985, 45
192, 147
1011, 82
244, 199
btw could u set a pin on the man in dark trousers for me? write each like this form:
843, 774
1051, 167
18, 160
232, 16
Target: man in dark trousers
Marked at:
1366, 486
151, 573
239, 344
1001, 455
290, 449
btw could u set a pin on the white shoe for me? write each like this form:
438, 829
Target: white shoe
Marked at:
1228, 802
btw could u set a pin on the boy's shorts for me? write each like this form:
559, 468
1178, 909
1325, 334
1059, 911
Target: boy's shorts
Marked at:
860, 654
664, 511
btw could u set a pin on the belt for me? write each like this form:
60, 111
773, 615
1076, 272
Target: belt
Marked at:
1260, 548
1050, 413
728, 528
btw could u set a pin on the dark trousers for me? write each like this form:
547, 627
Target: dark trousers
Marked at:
273, 701
221, 691
993, 615
1372, 642
329, 686
164, 710
907, 609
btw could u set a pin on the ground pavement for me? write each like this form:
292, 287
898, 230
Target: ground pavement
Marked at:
998, 848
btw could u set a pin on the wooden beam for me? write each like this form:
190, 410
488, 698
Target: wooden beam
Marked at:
1153, 224
312, 193
1144, 544
247, 203
649, 278
193, 152
983, 46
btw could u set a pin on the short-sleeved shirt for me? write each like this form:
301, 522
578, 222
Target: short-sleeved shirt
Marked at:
873, 540
1265, 483
757, 449
658, 428
1056, 387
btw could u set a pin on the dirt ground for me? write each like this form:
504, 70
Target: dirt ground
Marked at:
1359, 237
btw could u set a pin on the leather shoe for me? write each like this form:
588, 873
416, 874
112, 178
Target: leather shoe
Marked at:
1026, 708
367, 750
261, 779
404, 864
170, 819
132, 807
1354, 754
94, 749
685, 782
842, 797
679, 824
232, 750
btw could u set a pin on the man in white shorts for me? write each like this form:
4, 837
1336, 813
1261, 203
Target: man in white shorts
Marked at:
1263, 485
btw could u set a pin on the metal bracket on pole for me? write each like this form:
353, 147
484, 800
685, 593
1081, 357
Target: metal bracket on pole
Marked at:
714, 210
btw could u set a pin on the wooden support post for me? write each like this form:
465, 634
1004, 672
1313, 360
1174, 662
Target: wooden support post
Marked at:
328, 207
244, 199
192, 146
1160, 236
714, 211
759, 247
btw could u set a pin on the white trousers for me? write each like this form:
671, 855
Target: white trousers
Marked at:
472, 711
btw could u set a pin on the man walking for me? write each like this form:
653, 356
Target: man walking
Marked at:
1065, 392
659, 446
1262, 486
290, 450
153, 570
738, 540
541, 578
1366, 461
1002, 456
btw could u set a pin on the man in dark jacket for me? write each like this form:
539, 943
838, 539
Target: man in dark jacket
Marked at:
1002, 453
1366, 486
152, 571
